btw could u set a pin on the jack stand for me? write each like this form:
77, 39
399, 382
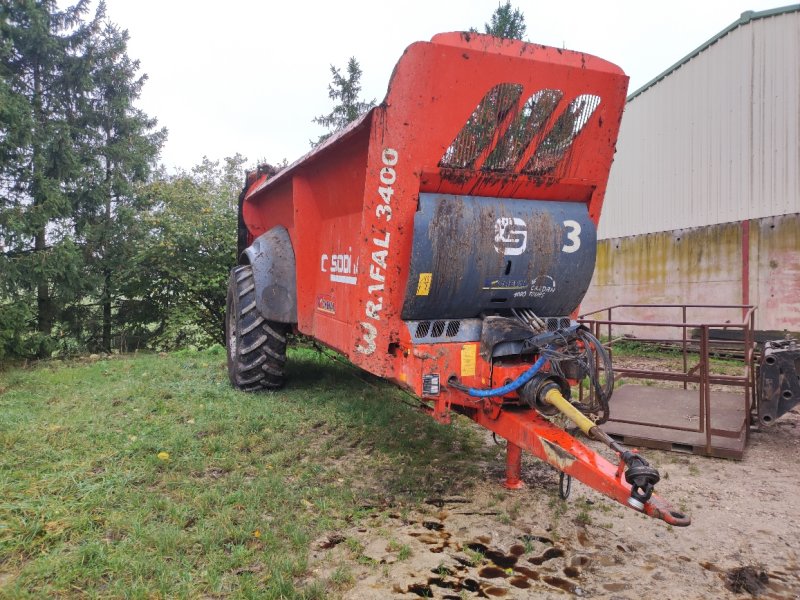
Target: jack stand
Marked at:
513, 467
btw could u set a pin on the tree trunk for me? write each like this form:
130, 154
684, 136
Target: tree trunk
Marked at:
107, 312
105, 244
44, 302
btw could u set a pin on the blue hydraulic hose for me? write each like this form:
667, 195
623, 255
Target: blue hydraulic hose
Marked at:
509, 387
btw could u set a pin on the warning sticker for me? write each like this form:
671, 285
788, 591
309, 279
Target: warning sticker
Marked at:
424, 285
468, 358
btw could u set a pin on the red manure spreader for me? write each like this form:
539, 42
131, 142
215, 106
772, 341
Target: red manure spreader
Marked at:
444, 241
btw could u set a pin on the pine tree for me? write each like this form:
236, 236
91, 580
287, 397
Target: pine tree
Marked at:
345, 90
44, 77
506, 22
122, 147
73, 149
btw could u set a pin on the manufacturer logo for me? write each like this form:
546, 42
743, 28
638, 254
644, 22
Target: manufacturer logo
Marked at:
326, 303
504, 283
542, 285
379, 266
510, 236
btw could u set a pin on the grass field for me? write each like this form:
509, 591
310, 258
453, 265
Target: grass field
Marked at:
148, 476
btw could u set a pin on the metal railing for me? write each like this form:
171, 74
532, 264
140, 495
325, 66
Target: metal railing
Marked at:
702, 347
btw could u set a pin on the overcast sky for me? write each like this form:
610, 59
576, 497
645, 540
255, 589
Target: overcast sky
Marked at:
248, 76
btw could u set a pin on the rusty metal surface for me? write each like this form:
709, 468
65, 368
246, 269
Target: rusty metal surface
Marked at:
671, 419
778, 380
637, 419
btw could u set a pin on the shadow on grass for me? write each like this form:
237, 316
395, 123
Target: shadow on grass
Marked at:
374, 422
149, 476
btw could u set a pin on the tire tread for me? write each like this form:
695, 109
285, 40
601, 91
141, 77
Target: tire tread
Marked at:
260, 358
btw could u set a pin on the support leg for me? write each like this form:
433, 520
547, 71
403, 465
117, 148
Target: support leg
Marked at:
513, 467
553, 445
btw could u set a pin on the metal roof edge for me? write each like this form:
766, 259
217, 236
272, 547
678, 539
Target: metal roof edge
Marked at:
745, 18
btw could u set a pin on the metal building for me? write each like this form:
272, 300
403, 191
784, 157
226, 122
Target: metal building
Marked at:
704, 198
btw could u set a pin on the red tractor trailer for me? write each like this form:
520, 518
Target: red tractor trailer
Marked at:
444, 241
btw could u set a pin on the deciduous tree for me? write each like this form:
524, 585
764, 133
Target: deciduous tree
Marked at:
184, 263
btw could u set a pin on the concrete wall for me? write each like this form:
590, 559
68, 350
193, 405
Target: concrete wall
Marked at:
704, 265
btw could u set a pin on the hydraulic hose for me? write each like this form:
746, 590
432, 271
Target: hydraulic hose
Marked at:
510, 387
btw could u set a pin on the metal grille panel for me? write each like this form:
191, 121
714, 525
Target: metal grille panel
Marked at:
445, 331
481, 127
566, 128
525, 127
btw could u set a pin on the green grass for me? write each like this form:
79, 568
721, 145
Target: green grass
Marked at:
88, 509
673, 357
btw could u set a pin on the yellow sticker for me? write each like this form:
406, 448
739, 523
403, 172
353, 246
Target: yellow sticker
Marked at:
424, 285
468, 359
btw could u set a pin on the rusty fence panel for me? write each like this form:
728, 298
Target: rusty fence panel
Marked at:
742, 317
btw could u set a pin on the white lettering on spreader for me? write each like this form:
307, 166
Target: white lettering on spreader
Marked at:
342, 267
379, 254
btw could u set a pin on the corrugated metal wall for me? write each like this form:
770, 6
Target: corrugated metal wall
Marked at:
715, 141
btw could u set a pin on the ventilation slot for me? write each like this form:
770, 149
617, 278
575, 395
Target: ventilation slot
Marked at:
452, 328
438, 329
556, 323
481, 127
566, 128
422, 329
525, 127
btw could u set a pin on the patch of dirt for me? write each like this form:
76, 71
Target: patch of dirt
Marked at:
744, 540
5, 579
749, 579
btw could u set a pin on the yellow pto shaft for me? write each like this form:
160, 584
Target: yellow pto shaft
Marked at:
554, 397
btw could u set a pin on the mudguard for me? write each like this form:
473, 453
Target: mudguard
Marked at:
274, 271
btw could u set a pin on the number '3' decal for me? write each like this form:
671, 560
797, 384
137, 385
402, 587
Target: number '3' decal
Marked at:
573, 236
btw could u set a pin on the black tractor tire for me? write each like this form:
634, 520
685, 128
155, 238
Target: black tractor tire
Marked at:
256, 346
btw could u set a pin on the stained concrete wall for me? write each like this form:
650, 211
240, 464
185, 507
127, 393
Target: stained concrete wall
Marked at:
704, 265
